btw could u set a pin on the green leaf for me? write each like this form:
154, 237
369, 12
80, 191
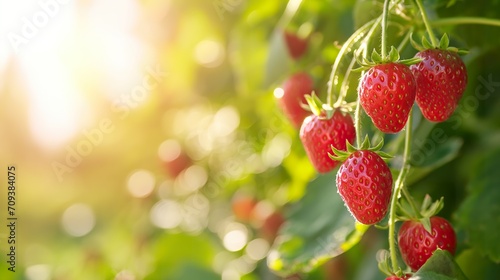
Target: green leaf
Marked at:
376, 58
196, 250
476, 266
319, 227
394, 54
426, 222
194, 271
451, 3
315, 103
426, 43
432, 154
439, 266
444, 42
478, 215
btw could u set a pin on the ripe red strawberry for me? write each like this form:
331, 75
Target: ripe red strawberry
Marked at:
387, 93
441, 80
319, 134
294, 90
243, 208
364, 181
296, 46
417, 245
272, 225
394, 277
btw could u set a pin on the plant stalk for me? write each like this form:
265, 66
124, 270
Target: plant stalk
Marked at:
347, 46
427, 24
466, 20
400, 181
385, 14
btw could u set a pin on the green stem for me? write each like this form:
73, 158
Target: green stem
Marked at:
405, 40
427, 24
466, 20
385, 13
357, 113
344, 86
356, 36
357, 124
291, 9
395, 195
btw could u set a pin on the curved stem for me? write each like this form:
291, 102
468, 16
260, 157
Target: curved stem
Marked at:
396, 193
385, 13
291, 9
344, 86
427, 24
405, 40
345, 48
357, 114
466, 20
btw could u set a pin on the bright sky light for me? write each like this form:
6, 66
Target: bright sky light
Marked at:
60, 48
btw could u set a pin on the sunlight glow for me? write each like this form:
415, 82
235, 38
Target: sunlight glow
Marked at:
278, 93
209, 53
57, 106
141, 183
257, 249
66, 54
166, 214
112, 46
78, 219
38, 272
169, 150
235, 237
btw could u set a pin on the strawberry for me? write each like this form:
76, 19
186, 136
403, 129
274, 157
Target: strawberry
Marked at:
296, 46
416, 244
318, 134
272, 225
394, 277
387, 93
173, 158
364, 181
294, 90
243, 207
441, 80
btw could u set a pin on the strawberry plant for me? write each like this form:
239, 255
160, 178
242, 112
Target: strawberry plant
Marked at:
403, 90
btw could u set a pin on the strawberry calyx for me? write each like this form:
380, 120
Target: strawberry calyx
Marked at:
428, 209
444, 44
376, 59
322, 110
383, 258
341, 156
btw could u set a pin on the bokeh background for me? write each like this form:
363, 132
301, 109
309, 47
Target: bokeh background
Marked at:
148, 143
